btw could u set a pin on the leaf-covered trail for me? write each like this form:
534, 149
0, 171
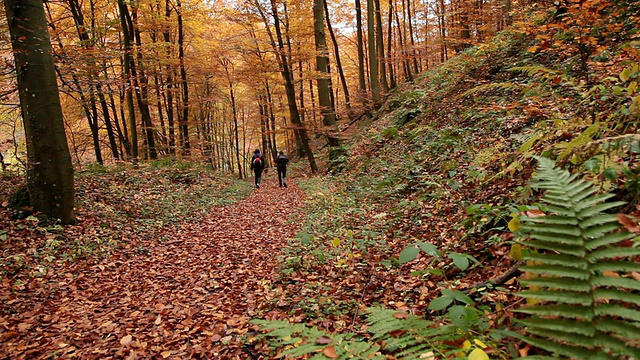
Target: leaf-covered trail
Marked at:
189, 296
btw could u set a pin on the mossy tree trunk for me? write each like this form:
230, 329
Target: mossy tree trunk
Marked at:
49, 168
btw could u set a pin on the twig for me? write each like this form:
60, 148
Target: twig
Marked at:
498, 280
364, 291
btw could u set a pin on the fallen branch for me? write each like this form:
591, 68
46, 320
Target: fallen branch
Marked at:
498, 280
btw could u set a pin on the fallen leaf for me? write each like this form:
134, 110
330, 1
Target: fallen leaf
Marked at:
630, 224
534, 213
397, 333
125, 340
165, 354
330, 352
401, 315
24, 326
158, 320
610, 273
323, 340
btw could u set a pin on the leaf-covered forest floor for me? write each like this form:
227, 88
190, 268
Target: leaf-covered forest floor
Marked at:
180, 290
173, 260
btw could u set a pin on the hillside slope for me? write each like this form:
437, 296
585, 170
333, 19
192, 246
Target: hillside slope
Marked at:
447, 160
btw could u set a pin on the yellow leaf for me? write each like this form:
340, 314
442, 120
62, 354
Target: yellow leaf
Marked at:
335, 242
575, 159
466, 344
479, 343
125, 340
478, 354
624, 75
514, 224
516, 252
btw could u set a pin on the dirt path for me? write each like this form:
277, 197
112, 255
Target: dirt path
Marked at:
190, 296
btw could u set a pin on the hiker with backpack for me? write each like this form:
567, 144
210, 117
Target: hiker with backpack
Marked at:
281, 161
257, 165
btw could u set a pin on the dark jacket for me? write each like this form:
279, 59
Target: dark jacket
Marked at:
254, 164
282, 161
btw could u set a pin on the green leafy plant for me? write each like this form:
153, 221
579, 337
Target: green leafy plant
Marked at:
403, 335
583, 302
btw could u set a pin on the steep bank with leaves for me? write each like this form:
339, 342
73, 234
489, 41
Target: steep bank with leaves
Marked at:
444, 165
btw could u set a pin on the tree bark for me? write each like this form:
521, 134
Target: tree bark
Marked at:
362, 81
324, 92
184, 126
49, 169
374, 81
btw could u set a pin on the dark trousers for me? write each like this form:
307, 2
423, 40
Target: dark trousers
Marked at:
282, 176
258, 173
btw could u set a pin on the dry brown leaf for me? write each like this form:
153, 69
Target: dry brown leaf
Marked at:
330, 352
323, 340
401, 315
630, 224
125, 340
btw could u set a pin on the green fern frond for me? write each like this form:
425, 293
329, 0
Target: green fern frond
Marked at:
581, 313
299, 340
493, 86
533, 70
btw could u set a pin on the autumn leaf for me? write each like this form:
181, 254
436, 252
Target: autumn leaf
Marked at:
330, 352
401, 315
397, 333
630, 224
478, 354
125, 340
323, 340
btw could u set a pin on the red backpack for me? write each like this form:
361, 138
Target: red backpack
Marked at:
257, 162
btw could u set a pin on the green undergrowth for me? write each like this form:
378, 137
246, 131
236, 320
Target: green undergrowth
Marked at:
440, 170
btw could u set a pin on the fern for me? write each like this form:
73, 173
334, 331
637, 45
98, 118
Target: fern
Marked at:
297, 340
492, 86
586, 304
404, 336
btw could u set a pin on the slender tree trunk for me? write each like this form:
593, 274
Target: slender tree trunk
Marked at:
336, 50
128, 48
380, 47
184, 126
49, 169
373, 57
392, 77
361, 71
414, 58
324, 92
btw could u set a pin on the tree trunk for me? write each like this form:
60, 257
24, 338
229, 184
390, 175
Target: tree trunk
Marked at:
373, 57
128, 48
336, 50
324, 92
49, 169
380, 47
361, 73
392, 77
184, 126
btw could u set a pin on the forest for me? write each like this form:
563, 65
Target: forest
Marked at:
464, 179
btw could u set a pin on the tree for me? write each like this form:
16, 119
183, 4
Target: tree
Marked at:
324, 93
49, 169
373, 56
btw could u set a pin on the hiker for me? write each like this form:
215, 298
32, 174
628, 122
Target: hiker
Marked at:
257, 165
282, 162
